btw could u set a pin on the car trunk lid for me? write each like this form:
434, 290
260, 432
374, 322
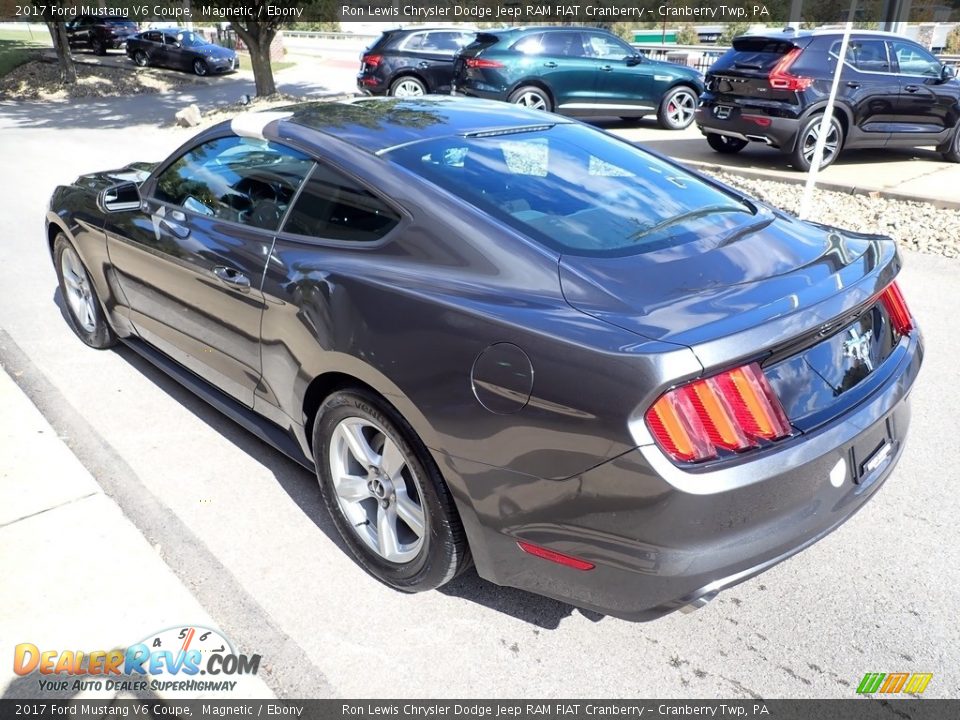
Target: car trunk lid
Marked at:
745, 70
799, 298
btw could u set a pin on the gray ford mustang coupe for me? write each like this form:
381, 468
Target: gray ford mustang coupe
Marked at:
505, 338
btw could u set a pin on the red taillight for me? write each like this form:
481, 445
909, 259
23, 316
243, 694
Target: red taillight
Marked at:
780, 77
897, 308
483, 63
372, 60
760, 120
554, 556
730, 411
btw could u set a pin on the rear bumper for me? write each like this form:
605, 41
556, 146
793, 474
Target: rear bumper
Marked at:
371, 84
754, 122
662, 537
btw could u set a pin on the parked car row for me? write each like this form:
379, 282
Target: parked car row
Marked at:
581, 72
770, 89
177, 48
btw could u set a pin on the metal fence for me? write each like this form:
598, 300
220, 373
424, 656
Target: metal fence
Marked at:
702, 57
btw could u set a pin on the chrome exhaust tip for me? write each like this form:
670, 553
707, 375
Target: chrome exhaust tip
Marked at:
700, 602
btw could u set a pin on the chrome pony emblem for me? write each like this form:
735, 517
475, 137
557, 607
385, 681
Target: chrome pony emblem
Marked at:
858, 347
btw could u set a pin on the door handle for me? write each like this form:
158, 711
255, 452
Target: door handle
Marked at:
231, 277
550, 64
853, 85
912, 88
607, 68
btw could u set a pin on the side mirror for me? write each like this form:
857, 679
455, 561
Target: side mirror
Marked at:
634, 60
120, 198
947, 72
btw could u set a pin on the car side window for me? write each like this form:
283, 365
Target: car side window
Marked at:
562, 44
169, 40
529, 45
865, 55
152, 37
414, 42
914, 60
331, 206
242, 180
607, 47
445, 42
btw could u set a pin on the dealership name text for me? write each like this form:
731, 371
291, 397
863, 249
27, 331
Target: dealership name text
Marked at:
571, 709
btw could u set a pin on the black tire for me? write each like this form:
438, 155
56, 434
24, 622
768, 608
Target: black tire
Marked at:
200, 67
952, 153
93, 329
806, 141
408, 86
532, 97
677, 108
140, 58
725, 144
443, 552
98, 47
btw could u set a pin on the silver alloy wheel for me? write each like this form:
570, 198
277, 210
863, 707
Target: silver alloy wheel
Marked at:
408, 88
199, 67
830, 145
140, 58
377, 490
531, 99
79, 294
681, 108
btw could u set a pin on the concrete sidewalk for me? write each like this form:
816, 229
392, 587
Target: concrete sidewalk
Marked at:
912, 174
77, 574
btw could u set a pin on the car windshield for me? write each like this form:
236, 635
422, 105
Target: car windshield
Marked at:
576, 190
190, 39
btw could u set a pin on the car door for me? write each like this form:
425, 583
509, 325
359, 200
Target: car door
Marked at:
868, 87
78, 32
152, 44
190, 263
170, 53
624, 81
561, 62
927, 103
432, 53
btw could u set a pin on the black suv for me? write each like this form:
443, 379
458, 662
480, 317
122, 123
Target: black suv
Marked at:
99, 34
412, 61
773, 89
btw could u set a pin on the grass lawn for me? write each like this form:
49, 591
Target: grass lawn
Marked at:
277, 65
17, 47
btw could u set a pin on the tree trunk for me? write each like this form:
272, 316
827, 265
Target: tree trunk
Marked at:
68, 71
262, 70
258, 37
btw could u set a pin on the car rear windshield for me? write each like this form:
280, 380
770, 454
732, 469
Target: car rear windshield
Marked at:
755, 53
576, 190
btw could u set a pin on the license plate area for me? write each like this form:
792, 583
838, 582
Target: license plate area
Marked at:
873, 453
722, 112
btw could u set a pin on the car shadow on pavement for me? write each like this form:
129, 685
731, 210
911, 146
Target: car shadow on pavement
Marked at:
301, 486
122, 112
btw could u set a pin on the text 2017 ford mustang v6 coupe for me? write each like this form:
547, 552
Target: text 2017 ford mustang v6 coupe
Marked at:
504, 337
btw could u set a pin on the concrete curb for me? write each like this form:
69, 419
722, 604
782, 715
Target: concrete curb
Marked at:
800, 179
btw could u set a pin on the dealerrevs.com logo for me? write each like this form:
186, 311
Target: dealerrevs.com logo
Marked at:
171, 660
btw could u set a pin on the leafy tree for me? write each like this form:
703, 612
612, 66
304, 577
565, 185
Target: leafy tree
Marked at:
953, 41
687, 35
731, 31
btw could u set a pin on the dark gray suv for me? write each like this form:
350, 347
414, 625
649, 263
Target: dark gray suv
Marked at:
773, 89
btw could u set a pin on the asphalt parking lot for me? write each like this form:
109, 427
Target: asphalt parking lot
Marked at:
246, 532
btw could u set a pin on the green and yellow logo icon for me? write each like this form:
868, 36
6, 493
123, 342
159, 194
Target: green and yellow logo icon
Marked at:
907, 683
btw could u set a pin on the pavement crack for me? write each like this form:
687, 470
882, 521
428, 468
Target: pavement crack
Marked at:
46, 510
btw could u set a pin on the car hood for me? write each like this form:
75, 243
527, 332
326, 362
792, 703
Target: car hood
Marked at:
716, 287
213, 51
136, 172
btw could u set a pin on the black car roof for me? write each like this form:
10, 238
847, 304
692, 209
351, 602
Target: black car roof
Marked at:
377, 124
